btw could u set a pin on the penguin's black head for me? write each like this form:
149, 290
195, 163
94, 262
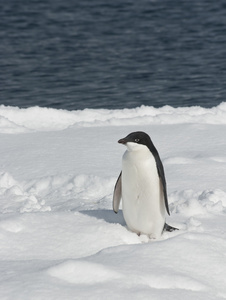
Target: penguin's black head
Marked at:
138, 137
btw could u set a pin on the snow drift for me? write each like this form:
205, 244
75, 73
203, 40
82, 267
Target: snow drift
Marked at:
59, 236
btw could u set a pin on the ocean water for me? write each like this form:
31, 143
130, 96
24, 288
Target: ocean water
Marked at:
112, 54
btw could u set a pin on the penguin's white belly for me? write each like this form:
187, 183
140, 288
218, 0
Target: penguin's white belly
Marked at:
142, 195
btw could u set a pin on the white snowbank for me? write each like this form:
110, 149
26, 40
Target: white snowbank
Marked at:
16, 120
60, 238
83, 272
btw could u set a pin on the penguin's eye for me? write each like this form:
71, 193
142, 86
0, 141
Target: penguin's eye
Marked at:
136, 140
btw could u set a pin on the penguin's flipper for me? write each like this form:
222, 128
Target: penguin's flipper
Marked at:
162, 179
169, 228
117, 193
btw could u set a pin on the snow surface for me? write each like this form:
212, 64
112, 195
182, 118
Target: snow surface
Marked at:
60, 238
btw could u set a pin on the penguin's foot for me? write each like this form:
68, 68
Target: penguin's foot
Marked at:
169, 228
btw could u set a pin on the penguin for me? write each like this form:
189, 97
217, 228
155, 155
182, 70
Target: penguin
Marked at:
142, 187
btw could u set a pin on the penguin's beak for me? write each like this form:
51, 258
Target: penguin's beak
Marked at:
123, 141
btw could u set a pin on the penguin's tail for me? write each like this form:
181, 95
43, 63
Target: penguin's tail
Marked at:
169, 228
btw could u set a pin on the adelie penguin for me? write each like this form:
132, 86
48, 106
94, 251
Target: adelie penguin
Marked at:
142, 187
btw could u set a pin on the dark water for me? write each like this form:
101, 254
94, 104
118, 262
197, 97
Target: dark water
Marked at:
112, 54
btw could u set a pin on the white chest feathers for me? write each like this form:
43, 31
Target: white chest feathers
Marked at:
142, 194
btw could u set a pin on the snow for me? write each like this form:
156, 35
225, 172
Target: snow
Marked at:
60, 238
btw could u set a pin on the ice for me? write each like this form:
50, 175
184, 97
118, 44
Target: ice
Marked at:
60, 238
